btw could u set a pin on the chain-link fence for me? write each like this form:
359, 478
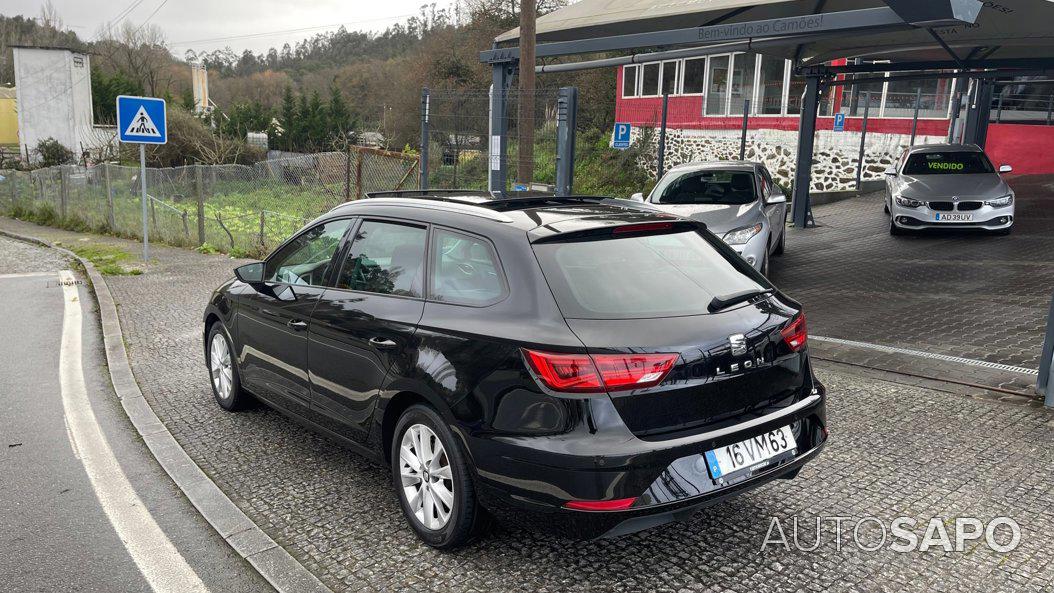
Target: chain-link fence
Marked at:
459, 127
236, 209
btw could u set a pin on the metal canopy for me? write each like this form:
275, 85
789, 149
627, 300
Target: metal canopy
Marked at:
1005, 29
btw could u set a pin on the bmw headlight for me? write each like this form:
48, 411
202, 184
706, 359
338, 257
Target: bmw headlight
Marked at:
908, 202
741, 236
1002, 202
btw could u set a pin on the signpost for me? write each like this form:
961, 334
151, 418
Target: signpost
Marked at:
142, 121
620, 140
839, 122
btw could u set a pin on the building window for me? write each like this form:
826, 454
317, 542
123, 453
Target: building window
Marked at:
717, 87
694, 76
649, 79
629, 81
770, 86
935, 97
669, 77
744, 69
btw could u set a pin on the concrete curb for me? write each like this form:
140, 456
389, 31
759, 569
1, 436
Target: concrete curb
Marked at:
272, 561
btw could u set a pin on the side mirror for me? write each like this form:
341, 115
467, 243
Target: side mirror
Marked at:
1006, 169
637, 197
776, 197
250, 273
892, 171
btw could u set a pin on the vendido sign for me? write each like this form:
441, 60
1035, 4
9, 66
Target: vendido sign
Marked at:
784, 26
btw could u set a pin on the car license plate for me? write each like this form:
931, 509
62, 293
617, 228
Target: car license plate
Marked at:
953, 217
749, 453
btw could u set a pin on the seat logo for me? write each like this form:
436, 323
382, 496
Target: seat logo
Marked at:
738, 343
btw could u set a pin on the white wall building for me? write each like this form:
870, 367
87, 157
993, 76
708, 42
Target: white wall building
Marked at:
54, 99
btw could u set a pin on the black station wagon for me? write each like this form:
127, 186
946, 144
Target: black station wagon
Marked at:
580, 365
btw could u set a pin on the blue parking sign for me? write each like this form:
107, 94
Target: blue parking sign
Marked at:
620, 139
141, 120
839, 122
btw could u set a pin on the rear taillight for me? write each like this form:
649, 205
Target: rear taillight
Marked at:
795, 334
584, 373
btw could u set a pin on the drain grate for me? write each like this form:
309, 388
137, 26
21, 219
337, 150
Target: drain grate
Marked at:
930, 355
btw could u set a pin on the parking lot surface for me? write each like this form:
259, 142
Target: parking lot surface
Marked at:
964, 294
895, 451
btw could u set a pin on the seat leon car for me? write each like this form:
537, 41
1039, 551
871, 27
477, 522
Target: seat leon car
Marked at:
948, 186
577, 365
738, 201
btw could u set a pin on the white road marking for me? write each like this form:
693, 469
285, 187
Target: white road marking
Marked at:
160, 563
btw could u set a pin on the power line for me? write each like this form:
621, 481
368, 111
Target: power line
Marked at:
288, 31
143, 24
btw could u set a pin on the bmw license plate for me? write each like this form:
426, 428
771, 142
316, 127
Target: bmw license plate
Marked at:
750, 453
953, 217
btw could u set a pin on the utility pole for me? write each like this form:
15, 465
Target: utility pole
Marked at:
525, 169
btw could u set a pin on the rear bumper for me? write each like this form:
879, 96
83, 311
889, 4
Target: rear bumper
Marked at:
525, 482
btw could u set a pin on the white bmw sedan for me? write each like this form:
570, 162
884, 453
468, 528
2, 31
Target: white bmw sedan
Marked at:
948, 186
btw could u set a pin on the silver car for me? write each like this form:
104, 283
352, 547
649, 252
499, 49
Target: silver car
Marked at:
737, 200
948, 186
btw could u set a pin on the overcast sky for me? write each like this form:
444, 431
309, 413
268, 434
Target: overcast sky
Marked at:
192, 20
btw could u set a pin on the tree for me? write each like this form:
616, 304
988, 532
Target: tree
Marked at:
104, 91
288, 116
339, 116
140, 53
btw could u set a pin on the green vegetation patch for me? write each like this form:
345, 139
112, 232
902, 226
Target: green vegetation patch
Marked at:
108, 259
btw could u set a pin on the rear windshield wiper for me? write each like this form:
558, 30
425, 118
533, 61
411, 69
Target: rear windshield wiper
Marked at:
726, 301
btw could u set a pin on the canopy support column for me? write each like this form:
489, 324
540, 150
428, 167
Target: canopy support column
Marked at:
499, 139
978, 112
810, 104
566, 112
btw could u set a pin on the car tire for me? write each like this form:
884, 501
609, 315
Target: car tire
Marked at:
224, 376
885, 207
465, 517
765, 265
782, 245
894, 229
1003, 232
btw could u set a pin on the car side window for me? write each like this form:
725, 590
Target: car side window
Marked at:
385, 258
306, 259
465, 270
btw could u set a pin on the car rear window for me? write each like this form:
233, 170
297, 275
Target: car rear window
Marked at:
948, 163
638, 277
708, 187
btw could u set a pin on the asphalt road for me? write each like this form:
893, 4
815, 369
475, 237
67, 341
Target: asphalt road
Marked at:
83, 504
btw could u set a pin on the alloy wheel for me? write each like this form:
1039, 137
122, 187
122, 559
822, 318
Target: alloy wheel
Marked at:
220, 366
425, 474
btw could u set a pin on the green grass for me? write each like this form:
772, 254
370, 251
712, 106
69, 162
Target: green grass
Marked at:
108, 259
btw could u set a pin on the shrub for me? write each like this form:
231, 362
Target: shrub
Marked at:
52, 152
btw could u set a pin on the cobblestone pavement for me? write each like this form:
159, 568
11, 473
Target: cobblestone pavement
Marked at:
963, 294
895, 450
17, 257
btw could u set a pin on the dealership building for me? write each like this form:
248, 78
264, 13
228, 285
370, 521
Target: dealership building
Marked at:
709, 94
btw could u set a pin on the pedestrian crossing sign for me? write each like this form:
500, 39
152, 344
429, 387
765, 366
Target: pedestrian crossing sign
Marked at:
141, 120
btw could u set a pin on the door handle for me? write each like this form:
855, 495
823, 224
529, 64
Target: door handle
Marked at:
297, 324
382, 343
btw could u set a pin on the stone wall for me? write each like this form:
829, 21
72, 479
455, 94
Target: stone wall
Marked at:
835, 156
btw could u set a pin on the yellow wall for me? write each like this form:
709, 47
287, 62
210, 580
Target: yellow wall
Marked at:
8, 121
